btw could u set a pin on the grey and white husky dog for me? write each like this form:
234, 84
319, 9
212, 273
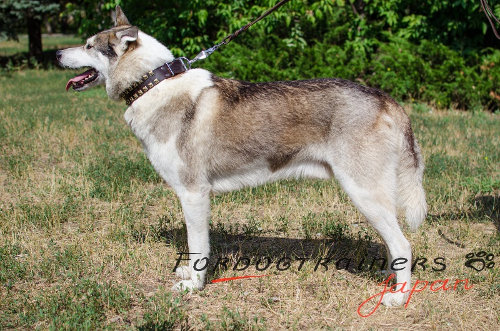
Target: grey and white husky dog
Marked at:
204, 134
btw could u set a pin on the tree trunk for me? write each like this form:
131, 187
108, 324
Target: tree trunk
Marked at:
35, 38
48, 27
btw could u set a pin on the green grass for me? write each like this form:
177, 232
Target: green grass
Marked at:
49, 42
90, 234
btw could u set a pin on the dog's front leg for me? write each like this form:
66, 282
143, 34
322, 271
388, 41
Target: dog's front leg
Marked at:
196, 208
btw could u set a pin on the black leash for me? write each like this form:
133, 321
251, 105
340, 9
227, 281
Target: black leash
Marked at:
489, 15
206, 53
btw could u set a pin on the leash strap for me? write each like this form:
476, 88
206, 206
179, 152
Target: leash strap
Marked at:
206, 53
489, 15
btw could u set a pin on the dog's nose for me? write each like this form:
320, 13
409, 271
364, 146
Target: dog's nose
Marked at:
58, 55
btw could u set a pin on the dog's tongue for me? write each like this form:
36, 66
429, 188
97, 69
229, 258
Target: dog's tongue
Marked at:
78, 78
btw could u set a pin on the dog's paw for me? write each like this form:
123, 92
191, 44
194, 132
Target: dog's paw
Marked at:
187, 285
183, 272
394, 299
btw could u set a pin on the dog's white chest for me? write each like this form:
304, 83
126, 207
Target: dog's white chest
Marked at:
166, 160
164, 156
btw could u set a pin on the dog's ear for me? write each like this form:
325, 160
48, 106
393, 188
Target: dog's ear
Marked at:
119, 17
127, 36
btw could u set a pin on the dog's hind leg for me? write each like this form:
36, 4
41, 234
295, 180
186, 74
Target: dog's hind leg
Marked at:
196, 208
375, 198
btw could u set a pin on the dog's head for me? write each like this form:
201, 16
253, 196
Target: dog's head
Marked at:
117, 57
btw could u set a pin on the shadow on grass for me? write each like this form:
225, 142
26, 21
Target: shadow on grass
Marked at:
483, 206
356, 255
489, 205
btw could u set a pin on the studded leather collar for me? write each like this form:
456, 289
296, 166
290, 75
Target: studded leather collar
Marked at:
153, 78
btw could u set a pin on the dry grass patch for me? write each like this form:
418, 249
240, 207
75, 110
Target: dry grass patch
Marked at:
90, 234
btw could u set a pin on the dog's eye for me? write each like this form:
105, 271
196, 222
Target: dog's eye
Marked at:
88, 46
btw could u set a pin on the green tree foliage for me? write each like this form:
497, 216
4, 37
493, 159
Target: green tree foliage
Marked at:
439, 51
28, 14
90, 16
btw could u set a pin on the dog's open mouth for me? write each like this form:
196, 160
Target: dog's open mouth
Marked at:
79, 82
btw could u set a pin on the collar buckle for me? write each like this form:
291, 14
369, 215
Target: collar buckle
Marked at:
170, 69
185, 62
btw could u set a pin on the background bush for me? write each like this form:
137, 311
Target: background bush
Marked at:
440, 51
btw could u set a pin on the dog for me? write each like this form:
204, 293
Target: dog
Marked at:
205, 134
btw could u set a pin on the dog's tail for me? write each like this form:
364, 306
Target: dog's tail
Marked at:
411, 194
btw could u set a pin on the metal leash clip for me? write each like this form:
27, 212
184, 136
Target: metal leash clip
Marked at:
205, 53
